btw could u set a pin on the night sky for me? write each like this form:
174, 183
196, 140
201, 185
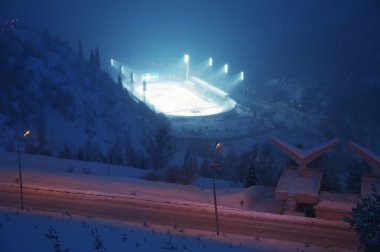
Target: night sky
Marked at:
266, 39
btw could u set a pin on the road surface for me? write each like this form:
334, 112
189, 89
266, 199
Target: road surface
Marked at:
187, 216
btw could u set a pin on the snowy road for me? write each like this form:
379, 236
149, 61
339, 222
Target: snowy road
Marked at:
187, 216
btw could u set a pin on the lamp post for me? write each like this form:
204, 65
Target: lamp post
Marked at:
218, 146
19, 138
186, 60
210, 62
241, 76
225, 68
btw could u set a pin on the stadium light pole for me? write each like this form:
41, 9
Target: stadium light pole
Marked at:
186, 60
241, 76
132, 80
218, 146
19, 138
210, 62
225, 68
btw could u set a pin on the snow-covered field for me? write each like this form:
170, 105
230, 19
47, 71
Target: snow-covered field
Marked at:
39, 231
92, 177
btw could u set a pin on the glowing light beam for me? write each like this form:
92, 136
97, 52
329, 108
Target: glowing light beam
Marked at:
186, 58
225, 68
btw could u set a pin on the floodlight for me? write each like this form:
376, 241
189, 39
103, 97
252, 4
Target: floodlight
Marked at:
186, 58
210, 62
241, 76
226, 68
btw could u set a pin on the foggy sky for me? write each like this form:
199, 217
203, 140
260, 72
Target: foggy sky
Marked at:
263, 38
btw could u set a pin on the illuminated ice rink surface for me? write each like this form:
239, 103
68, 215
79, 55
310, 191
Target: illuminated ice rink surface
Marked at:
173, 98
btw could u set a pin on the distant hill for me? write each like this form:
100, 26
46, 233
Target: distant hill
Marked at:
72, 108
341, 106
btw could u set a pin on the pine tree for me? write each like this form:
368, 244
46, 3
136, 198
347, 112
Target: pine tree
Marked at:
92, 59
161, 147
97, 59
188, 169
251, 178
205, 168
119, 83
365, 221
80, 50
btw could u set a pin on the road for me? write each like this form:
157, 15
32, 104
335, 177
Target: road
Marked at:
201, 218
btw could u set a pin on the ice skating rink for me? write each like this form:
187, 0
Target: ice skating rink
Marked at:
177, 99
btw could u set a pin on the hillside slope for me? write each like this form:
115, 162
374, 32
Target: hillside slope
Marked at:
72, 109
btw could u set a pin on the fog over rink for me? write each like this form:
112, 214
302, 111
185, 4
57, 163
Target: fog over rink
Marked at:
174, 99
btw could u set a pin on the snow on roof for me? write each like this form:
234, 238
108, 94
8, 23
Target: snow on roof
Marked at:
293, 184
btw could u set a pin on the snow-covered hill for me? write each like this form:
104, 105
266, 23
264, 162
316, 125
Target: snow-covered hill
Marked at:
72, 109
342, 105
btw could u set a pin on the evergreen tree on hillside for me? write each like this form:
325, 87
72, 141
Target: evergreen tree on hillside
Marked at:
189, 168
80, 50
97, 59
161, 147
92, 59
119, 83
205, 168
251, 178
365, 221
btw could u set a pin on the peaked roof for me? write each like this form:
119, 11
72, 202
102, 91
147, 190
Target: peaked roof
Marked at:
372, 158
303, 156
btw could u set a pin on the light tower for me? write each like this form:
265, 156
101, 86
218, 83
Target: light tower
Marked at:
144, 89
132, 81
186, 60
225, 68
241, 76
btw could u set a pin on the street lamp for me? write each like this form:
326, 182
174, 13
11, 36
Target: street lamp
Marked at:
186, 60
19, 138
218, 146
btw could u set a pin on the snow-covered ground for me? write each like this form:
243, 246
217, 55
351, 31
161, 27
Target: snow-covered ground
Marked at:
39, 231
78, 233
56, 173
